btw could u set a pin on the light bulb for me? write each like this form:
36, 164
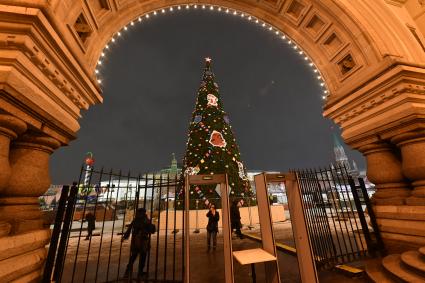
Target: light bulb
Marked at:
154, 13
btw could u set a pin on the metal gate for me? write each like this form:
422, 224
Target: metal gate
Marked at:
113, 198
334, 205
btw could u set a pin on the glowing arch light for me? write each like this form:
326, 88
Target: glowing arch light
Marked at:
216, 8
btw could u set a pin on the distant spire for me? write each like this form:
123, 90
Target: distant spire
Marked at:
355, 168
173, 162
340, 156
336, 140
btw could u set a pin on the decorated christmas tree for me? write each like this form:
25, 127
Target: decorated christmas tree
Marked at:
211, 146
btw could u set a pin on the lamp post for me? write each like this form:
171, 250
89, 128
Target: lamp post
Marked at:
197, 227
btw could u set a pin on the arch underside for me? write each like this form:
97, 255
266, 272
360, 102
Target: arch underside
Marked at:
349, 43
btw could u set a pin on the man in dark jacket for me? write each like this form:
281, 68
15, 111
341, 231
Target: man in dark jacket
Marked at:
212, 227
140, 229
91, 224
235, 218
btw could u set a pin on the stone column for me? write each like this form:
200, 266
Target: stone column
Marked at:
10, 128
412, 146
22, 252
385, 171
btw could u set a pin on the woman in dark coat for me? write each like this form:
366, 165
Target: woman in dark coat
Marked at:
212, 227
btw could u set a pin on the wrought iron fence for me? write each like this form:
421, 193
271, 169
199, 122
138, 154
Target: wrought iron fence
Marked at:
334, 204
113, 198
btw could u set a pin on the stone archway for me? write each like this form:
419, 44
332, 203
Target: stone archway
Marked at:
369, 53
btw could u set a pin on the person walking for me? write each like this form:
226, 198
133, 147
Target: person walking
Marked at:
212, 227
140, 229
235, 218
91, 224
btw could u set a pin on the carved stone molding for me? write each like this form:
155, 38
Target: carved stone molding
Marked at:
39, 69
390, 104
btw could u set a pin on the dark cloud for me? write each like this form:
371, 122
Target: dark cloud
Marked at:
151, 78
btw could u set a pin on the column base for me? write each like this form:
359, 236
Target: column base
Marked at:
402, 227
391, 194
415, 201
22, 256
22, 213
388, 201
5, 228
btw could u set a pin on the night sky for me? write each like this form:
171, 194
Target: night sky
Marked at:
150, 79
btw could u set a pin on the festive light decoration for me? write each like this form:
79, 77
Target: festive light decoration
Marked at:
227, 11
212, 139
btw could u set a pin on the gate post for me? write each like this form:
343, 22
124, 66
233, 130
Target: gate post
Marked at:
306, 262
225, 208
266, 223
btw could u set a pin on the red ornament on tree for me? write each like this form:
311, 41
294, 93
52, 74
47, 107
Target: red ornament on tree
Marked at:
217, 139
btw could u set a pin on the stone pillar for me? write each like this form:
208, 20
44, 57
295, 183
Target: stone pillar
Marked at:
10, 128
22, 252
384, 169
412, 146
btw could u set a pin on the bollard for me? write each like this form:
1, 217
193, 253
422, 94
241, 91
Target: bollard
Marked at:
197, 227
249, 213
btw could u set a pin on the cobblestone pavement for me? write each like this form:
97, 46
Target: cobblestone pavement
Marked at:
205, 266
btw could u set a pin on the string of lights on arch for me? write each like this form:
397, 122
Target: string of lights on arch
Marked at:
225, 10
